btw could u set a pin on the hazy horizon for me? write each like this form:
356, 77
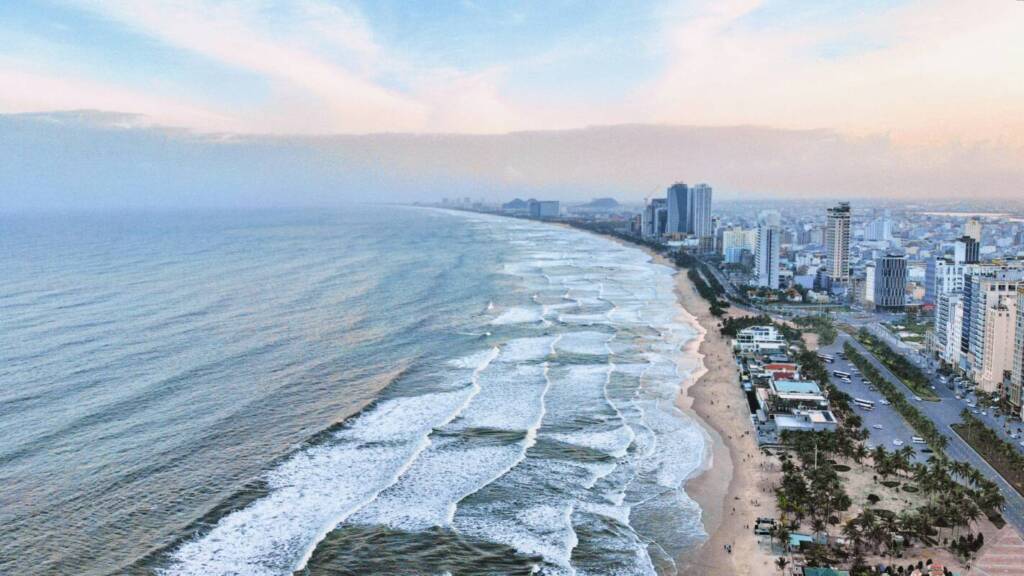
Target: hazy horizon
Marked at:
104, 103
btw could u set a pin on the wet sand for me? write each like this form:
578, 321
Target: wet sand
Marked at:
735, 488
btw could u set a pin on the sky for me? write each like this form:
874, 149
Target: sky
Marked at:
929, 94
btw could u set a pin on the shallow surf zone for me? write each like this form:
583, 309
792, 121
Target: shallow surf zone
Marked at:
554, 447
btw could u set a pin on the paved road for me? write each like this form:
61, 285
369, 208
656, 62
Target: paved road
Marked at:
944, 413
893, 425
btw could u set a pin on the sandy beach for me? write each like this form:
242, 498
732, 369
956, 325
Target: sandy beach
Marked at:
735, 489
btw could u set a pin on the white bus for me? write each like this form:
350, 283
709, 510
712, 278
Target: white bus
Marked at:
917, 440
826, 358
839, 374
865, 404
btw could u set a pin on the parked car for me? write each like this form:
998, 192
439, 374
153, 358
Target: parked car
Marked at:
897, 442
878, 427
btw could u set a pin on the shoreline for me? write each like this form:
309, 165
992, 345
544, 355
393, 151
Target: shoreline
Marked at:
731, 487
734, 485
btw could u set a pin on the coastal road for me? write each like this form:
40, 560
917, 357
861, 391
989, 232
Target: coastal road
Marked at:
893, 427
945, 412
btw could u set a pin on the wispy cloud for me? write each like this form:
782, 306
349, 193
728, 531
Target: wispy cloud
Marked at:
926, 71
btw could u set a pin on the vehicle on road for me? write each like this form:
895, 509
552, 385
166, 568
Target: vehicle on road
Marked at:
897, 442
885, 402
917, 440
826, 358
878, 427
841, 374
864, 404
918, 398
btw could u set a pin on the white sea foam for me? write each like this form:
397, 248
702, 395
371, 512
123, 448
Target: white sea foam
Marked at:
585, 342
518, 315
316, 489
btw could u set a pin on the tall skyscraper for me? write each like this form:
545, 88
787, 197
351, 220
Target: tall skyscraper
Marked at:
766, 257
837, 242
699, 216
890, 286
973, 229
678, 208
654, 218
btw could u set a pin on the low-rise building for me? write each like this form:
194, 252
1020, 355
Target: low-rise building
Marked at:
759, 339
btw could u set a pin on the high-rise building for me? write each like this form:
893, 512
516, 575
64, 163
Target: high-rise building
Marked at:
998, 340
973, 229
966, 250
689, 210
942, 275
699, 216
984, 289
766, 257
869, 283
890, 286
837, 242
678, 207
879, 229
654, 218
1017, 378
949, 314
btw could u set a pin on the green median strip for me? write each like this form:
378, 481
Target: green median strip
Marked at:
911, 376
917, 420
1000, 454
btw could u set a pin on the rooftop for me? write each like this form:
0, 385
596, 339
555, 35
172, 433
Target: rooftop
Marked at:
797, 387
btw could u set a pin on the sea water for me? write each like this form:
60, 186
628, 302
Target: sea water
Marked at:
375, 390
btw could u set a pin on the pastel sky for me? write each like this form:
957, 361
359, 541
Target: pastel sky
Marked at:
927, 76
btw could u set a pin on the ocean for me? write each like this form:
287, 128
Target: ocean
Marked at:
368, 390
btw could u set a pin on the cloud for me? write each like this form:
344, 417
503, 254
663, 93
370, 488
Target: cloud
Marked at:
925, 72
25, 91
314, 92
